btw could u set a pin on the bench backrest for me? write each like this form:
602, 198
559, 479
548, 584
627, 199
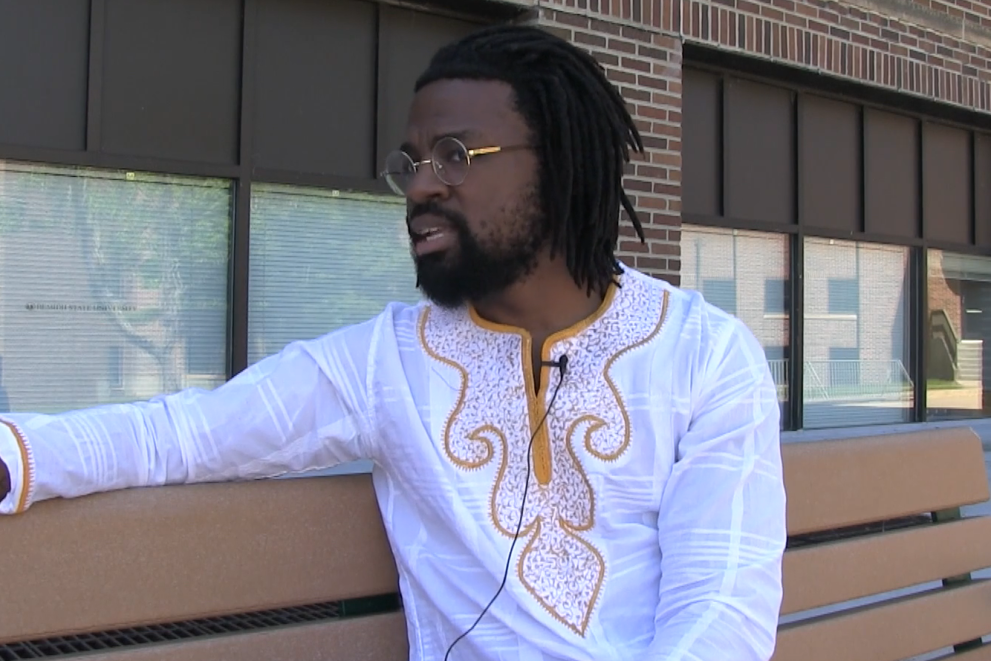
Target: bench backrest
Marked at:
302, 569
278, 564
878, 566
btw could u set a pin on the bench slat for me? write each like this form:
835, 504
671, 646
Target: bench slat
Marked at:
835, 572
892, 631
146, 556
373, 638
979, 654
835, 484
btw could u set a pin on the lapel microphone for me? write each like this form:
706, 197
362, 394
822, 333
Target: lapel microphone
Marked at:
561, 363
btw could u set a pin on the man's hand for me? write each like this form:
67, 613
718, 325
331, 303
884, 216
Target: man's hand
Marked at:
4, 480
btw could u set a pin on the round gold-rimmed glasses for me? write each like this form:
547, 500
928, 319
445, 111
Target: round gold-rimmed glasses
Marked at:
450, 160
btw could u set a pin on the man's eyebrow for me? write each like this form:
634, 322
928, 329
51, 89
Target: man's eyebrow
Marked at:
463, 135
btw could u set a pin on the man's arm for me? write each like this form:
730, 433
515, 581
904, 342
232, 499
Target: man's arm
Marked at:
722, 517
302, 409
4, 480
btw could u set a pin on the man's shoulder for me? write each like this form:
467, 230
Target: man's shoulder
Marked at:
692, 319
683, 305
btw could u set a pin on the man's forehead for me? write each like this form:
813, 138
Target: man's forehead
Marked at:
418, 138
466, 93
466, 109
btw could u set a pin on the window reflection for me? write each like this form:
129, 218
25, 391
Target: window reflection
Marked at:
958, 370
113, 285
857, 369
745, 274
321, 260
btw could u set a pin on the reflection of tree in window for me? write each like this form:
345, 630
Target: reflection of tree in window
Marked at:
321, 260
115, 367
167, 239
154, 252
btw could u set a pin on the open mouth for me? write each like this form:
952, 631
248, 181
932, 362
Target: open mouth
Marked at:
428, 234
432, 238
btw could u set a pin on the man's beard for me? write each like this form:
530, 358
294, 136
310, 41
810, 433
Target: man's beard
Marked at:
471, 272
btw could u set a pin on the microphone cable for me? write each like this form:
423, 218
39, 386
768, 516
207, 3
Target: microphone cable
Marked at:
562, 365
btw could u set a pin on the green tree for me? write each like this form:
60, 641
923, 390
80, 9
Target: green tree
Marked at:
138, 235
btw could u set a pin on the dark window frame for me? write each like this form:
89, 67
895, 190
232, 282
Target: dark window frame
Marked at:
867, 99
243, 171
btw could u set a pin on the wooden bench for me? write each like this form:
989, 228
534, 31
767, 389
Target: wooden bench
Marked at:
301, 570
872, 516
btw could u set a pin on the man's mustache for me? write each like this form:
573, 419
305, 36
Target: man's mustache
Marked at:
458, 221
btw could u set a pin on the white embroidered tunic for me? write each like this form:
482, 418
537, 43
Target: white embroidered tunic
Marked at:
655, 517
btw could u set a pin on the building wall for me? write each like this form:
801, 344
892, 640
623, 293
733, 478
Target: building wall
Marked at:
934, 50
760, 77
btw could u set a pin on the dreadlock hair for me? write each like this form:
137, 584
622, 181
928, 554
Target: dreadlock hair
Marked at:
580, 128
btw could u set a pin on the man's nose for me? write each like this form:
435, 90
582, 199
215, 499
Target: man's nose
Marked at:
425, 185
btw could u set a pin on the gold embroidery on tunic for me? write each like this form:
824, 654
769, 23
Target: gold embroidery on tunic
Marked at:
562, 570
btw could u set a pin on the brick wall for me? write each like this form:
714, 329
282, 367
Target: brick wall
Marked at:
929, 48
926, 48
646, 65
849, 41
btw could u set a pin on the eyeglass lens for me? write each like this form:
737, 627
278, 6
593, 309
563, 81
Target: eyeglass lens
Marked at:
449, 160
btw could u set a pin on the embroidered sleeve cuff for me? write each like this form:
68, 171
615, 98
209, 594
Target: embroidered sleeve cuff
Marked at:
16, 456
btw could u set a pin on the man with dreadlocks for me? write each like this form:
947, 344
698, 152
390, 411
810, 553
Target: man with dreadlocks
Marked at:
574, 461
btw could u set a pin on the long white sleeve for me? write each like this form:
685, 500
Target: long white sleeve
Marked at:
304, 408
722, 517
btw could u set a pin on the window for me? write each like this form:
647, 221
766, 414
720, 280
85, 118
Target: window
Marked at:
844, 367
843, 296
92, 263
777, 296
321, 260
745, 274
958, 370
115, 368
856, 367
721, 293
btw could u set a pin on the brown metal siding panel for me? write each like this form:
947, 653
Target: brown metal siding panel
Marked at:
407, 41
43, 70
171, 79
946, 183
760, 173
982, 186
315, 90
701, 188
892, 164
830, 164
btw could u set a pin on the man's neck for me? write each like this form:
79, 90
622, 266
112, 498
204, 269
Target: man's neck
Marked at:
543, 304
